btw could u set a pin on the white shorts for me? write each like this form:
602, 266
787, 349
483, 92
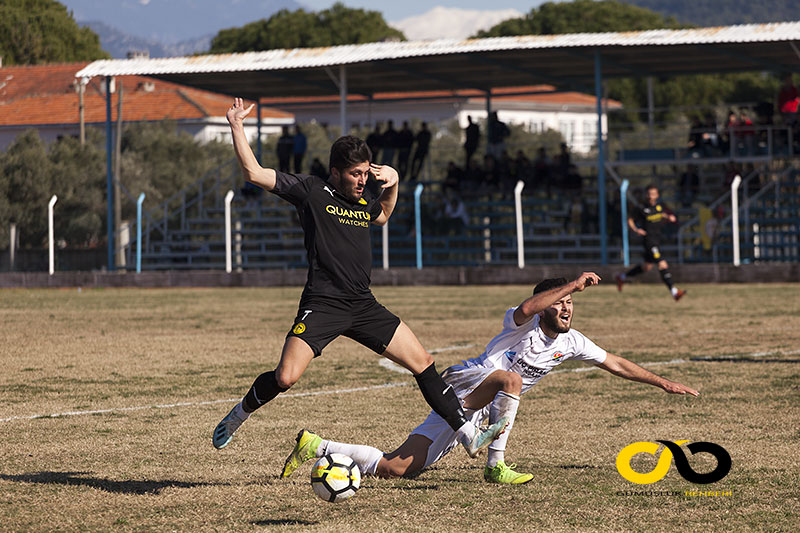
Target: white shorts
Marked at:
464, 380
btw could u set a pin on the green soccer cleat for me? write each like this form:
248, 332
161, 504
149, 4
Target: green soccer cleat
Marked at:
305, 449
484, 438
503, 473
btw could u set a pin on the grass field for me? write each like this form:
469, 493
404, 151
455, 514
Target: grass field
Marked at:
116, 459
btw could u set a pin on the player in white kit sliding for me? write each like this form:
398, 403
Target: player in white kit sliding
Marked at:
536, 337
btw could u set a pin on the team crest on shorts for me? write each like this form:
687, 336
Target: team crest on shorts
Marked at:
299, 328
558, 356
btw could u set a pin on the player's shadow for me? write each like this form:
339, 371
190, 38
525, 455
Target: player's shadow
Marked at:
284, 522
119, 487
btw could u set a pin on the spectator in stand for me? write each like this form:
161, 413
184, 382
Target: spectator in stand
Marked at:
541, 169
473, 175
375, 141
491, 175
573, 183
284, 150
695, 144
497, 135
747, 132
300, 144
423, 139
453, 178
455, 217
562, 162
318, 169
688, 186
405, 140
788, 100
390, 143
729, 133
473, 137
523, 169
710, 138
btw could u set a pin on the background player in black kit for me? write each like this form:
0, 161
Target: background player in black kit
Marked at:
646, 221
335, 215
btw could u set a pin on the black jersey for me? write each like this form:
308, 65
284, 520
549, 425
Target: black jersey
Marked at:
650, 218
337, 235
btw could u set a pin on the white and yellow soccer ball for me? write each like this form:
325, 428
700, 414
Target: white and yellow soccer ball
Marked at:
335, 477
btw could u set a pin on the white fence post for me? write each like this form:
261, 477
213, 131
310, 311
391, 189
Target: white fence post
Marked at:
228, 262
53, 201
520, 235
735, 218
385, 235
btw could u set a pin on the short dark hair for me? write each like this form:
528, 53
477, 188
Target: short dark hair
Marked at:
651, 186
348, 151
550, 283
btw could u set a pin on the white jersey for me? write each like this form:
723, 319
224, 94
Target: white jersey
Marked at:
530, 353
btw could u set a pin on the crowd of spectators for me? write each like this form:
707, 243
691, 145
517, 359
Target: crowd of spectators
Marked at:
403, 149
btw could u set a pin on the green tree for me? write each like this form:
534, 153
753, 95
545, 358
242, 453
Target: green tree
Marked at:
337, 25
586, 16
43, 31
581, 16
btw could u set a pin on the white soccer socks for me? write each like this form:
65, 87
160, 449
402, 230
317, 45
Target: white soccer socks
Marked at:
504, 405
366, 457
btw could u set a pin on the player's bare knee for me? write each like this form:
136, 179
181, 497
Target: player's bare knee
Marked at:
511, 382
285, 379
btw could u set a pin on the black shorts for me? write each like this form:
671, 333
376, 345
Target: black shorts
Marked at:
321, 319
651, 253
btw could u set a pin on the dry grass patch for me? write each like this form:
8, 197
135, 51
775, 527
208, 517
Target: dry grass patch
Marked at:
155, 469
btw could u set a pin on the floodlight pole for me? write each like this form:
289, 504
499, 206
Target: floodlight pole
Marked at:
520, 236
418, 223
139, 202
228, 262
601, 164
50, 239
737, 180
623, 203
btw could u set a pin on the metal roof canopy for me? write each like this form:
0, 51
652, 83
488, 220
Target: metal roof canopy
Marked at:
574, 61
566, 61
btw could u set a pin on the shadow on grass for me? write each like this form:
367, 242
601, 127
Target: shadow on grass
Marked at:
108, 485
284, 522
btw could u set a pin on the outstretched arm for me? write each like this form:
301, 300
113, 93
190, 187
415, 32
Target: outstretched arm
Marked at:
619, 366
251, 170
388, 198
539, 302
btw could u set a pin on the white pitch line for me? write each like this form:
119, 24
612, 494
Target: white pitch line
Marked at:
342, 391
196, 404
394, 367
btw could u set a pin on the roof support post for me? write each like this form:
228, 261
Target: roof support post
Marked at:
258, 131
651, 116
343, 99
109, 179
601, 164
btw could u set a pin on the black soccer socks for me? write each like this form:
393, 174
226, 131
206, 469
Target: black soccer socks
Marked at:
441, 397
264, 389
666, 277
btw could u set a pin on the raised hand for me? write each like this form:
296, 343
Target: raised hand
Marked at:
237, 112
384, 173
586, 279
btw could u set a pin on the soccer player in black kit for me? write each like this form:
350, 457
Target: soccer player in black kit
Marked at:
335, 215
646, 221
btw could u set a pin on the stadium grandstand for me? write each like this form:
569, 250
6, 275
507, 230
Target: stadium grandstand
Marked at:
524, 211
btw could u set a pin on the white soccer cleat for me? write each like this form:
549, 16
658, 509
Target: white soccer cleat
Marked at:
483, 438
223, 433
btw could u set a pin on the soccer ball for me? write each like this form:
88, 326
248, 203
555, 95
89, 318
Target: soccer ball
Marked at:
335, 477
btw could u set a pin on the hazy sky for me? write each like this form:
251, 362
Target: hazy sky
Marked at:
397, 10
